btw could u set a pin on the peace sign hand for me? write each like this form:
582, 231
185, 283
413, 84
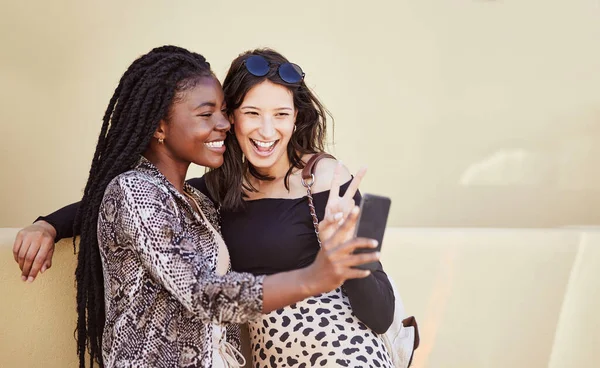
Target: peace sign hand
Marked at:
339, 207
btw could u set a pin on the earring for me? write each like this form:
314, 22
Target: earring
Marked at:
295, 126
161, 140
243, 157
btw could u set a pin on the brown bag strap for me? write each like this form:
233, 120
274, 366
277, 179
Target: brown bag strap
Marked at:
309, 169
308, 173
412, 322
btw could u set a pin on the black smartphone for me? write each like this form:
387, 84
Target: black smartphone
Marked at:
372, 220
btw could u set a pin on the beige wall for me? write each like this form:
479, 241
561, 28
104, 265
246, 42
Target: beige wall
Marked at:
490, 298
468, 112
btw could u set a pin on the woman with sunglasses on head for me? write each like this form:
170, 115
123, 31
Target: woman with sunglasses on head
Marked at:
278, 126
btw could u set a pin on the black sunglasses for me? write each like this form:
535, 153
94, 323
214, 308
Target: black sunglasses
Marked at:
258, 66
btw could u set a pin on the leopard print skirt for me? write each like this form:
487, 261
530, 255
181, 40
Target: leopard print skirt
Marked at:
320, 331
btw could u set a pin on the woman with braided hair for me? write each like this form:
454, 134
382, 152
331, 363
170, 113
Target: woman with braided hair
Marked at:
153, 281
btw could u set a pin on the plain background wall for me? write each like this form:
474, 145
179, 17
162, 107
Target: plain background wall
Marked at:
467, 112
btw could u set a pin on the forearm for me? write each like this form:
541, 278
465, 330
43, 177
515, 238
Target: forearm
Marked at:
372, 300
278, 291
285, 288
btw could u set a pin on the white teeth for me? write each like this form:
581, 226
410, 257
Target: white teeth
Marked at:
215, 144
264, 144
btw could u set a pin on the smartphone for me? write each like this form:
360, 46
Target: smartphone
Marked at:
372, 220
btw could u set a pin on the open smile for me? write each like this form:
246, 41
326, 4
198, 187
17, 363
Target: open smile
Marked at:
264, 148
217, 146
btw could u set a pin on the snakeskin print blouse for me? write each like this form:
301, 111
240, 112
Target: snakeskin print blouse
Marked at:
159, 260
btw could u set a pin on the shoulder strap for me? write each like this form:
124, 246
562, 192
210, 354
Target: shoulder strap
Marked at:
309, 169
309, 173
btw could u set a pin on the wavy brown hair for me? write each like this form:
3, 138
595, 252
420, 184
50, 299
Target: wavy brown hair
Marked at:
227, 183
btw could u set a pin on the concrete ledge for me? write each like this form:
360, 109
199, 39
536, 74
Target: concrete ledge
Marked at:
483, 297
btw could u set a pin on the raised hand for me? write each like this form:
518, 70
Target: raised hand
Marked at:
335, 261
339, 207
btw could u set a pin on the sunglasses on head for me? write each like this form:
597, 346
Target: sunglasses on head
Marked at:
258, 66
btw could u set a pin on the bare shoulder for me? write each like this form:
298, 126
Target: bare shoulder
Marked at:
324, 172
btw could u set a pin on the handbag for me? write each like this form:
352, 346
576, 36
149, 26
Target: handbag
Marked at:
402, 337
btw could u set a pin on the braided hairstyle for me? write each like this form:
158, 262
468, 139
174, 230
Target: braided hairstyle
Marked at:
143, 97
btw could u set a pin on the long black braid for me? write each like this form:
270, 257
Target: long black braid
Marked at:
143, 97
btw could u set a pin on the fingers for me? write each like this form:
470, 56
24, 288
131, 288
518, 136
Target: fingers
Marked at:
346, 267
17, 245
355, 183
350, 246
22, 253
361, 259
334, 191
354, 273
48, 262
40, 260
349, 263
332, 218
344, 231
30, 258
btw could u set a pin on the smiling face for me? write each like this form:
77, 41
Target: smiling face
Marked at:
196, 127
264, 124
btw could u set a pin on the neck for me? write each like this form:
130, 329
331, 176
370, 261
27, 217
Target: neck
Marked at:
174, 170
277, 170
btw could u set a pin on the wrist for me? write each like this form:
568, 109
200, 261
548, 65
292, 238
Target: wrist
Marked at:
47, 227
308, 282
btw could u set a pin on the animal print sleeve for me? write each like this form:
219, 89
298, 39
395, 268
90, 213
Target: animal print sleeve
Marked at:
147, 220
